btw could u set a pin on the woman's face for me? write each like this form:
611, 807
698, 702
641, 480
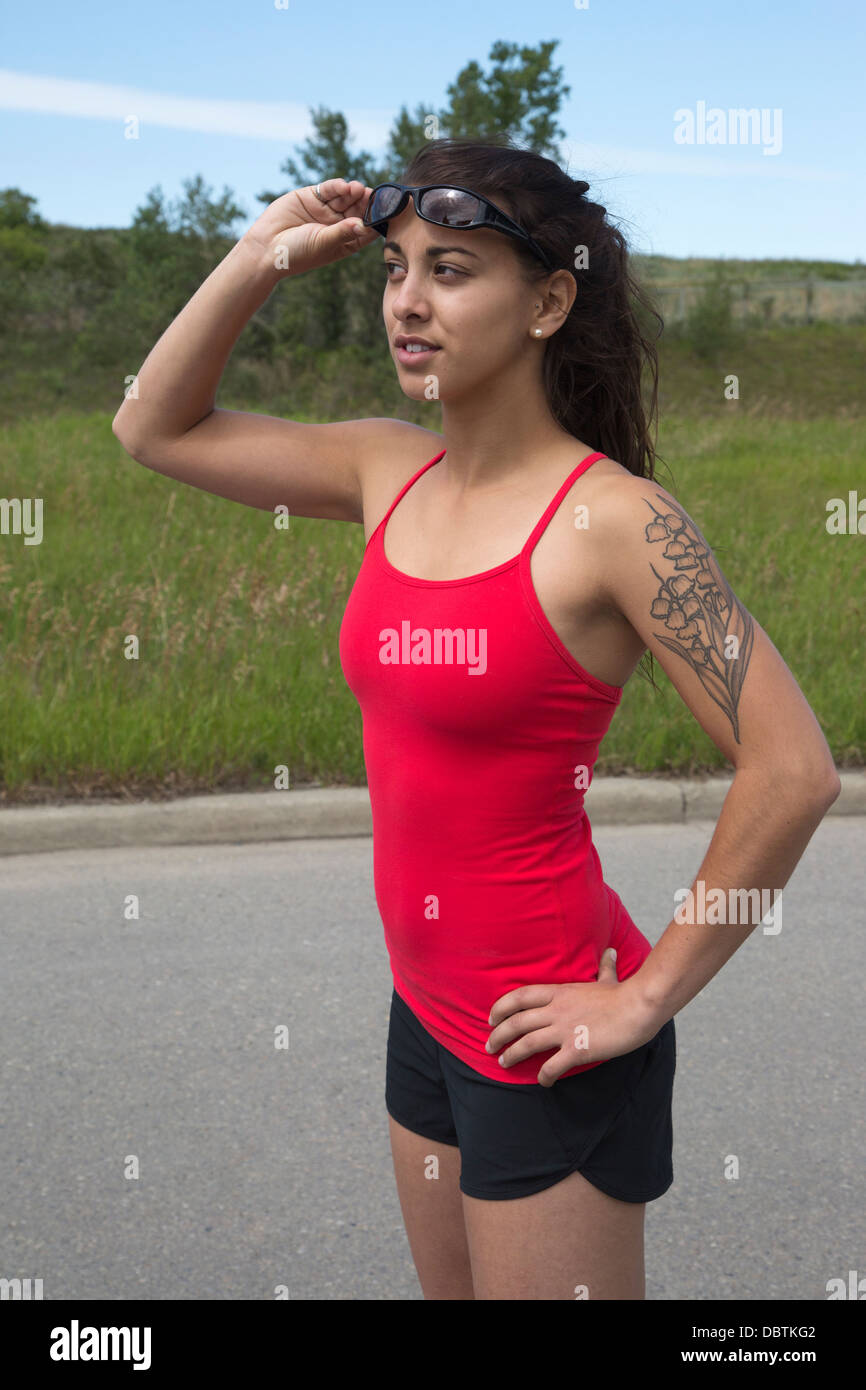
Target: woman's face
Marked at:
462, 291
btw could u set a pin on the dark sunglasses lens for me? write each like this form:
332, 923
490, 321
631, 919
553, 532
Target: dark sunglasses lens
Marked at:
450, 207
383, 203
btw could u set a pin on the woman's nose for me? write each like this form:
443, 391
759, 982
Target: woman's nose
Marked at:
410, 297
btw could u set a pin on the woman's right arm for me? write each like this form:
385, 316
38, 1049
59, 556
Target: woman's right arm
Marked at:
172, 425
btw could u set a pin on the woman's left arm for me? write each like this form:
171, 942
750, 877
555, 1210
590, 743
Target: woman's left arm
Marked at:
659, 572
662, 576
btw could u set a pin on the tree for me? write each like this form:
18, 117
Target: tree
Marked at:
23, 253
336, 303
174, 246
517, 99
17, 210
709, 325
159, 263
101, 297
208, 221
326, 155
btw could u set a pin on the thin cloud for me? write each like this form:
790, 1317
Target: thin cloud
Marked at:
289, 122
728, 162
280, 121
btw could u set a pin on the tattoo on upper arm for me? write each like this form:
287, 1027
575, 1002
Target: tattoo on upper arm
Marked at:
704, 620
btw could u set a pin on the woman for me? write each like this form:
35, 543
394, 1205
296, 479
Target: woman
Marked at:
518, 565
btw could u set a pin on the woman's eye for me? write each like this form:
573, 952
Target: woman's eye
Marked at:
452, 269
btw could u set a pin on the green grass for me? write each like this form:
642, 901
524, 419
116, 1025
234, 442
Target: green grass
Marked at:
758, 489
238, 622
789, 373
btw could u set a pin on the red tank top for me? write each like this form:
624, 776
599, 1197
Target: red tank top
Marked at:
480, 735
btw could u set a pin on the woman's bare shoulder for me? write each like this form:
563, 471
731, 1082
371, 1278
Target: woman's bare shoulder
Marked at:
392, 458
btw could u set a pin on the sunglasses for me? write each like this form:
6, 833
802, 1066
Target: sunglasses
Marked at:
446, 205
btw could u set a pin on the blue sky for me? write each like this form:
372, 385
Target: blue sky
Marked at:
224, 90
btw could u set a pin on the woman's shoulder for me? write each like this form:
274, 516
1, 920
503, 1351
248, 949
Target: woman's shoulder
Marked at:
401, 448
617, 493
396, 454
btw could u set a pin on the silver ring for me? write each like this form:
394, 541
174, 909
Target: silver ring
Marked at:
318, 194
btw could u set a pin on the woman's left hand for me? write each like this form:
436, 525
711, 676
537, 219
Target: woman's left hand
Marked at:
586, 1022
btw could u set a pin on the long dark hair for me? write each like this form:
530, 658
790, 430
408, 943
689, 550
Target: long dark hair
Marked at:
594, 363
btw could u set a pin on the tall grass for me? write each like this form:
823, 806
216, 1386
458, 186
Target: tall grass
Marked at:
237, 622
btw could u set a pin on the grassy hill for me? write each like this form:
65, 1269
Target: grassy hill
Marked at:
238, 668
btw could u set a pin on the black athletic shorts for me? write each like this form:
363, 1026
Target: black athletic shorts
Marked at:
612, 1123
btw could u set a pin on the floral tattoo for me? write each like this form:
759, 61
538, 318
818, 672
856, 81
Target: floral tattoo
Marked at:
706, 624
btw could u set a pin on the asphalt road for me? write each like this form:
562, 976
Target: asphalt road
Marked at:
261, 1167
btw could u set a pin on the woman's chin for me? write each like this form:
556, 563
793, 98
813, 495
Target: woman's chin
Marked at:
419, 388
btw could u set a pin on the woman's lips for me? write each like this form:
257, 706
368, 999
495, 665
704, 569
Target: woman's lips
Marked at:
410, 358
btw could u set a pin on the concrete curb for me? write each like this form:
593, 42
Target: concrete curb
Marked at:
321, 812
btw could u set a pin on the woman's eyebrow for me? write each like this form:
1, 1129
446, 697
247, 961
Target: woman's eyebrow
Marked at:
432, 250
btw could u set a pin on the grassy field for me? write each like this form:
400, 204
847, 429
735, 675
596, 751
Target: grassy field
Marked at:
238, 670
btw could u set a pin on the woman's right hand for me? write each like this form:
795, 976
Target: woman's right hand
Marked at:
297, 232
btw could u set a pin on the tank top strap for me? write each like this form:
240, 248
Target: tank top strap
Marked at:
405, 488
569, 482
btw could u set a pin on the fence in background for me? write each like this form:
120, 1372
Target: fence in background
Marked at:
773, 301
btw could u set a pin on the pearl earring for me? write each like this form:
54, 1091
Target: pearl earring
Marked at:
537, 332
